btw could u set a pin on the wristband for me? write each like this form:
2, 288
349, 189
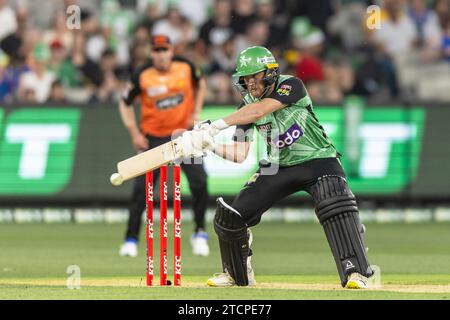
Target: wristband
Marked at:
220, 124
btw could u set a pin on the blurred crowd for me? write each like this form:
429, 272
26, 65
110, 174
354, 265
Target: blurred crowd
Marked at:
334, 46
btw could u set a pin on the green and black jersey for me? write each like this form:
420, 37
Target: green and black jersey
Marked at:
293, 133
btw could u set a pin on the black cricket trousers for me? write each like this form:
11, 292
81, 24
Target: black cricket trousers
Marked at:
261, 192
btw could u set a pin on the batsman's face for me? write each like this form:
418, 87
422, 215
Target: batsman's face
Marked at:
162, 57
255, 84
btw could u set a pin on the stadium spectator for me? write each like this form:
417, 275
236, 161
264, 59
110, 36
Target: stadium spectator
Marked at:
224, 57
107, 78
90, 53
327, 80
220, 88
29, 96
368, 76
278, 26
59, 32
94, 40
11, 46
340, 80
57, 93
141, 34
8, 20
152, 13
429, 33
139, 48
196, 11
396, 36
256, 34
117, 26
62, 65
442, 10
446, 42
346, 26
29, 35
139, 54
309, 41
243, 14
318, 11
4, 87
217, 29
177, 27
36, 83
425, 20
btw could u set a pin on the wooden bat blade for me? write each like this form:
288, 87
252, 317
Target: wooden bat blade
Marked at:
149, 160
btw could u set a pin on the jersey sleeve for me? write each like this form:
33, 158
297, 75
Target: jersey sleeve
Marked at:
133, 89
289, 91
243, 133
196, 73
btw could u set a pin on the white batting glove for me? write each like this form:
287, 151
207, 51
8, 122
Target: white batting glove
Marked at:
202, 125
195, 143
187, 145
213, 128
203, 140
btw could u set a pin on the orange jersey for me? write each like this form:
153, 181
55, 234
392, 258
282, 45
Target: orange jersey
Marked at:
167, 98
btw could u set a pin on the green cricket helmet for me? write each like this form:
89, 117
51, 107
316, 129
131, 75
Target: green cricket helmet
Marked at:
253, 60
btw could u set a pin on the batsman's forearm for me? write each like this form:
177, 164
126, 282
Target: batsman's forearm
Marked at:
245, 115
252, 112
236, 152
128, 118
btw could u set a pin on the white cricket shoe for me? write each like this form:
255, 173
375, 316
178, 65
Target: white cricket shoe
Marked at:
357, 281
199, 243
129, 249
225, 280
220, 280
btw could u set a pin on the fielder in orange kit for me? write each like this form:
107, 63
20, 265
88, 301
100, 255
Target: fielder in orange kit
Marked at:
172, 92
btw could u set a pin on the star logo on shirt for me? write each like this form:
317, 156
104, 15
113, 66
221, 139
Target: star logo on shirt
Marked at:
245, 61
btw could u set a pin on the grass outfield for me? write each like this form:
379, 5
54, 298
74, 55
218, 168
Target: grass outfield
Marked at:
292, 261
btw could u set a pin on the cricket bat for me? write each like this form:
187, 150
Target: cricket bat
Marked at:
147, 161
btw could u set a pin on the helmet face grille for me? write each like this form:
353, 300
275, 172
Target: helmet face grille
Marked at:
270, 77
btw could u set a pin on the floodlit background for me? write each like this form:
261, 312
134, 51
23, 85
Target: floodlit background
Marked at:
378, 73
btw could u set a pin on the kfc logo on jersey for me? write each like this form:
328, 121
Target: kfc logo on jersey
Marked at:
289, 137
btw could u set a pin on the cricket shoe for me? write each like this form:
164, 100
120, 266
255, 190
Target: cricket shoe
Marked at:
129, 249
199, 243
225, 280
357, 281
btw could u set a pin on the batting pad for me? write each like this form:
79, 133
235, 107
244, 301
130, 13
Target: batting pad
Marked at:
337, 211
233, 242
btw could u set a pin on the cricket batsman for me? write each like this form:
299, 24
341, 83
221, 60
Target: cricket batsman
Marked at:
279, 107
